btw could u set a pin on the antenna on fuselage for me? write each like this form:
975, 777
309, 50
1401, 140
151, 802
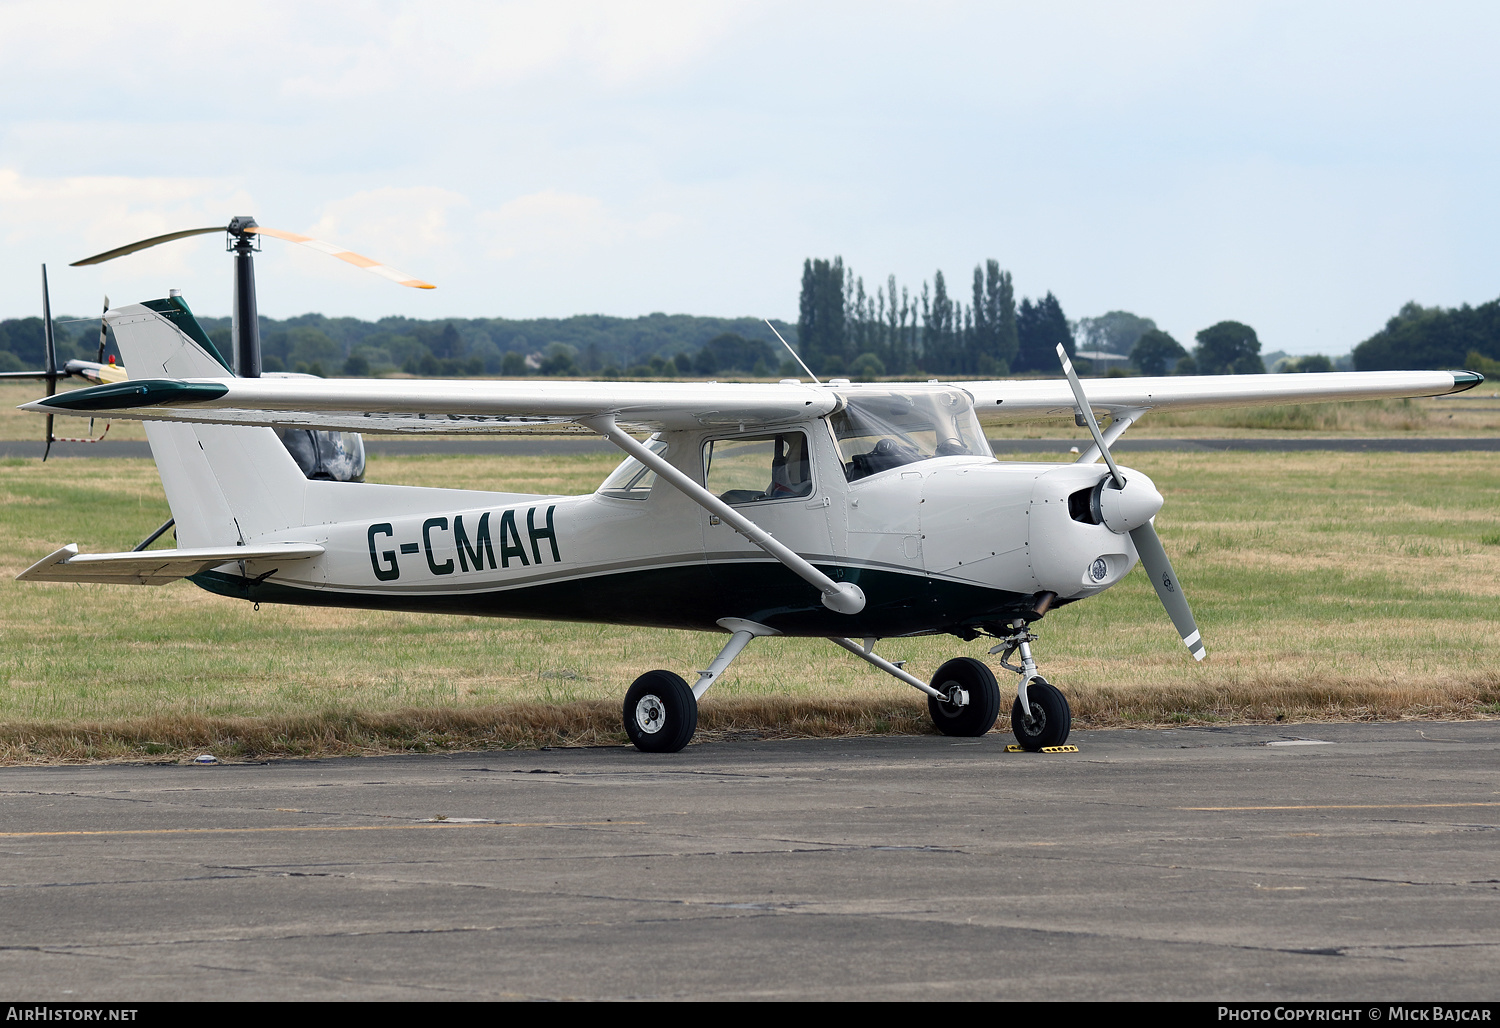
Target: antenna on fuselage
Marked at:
791, 351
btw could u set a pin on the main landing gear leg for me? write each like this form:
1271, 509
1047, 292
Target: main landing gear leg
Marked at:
1041, 715
963, 698
661, 711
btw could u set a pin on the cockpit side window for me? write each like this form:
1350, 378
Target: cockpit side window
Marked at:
632, 480
878, 431
771, 467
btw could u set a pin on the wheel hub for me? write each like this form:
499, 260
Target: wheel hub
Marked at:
650, 714
957, 698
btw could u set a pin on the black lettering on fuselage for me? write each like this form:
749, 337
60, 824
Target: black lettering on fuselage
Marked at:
392, 570
481, 548
472, 553
445, 568
508, 532
549, 533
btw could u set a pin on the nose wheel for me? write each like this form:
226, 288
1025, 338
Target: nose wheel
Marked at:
1040, 716
1050, 718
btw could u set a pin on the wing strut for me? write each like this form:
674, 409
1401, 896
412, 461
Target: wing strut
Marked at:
844, 597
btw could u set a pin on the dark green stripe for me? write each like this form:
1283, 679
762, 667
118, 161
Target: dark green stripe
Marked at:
175, 310
692, 597
139, 393
1463, 380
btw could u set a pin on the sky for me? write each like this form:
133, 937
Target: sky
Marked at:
1305, 167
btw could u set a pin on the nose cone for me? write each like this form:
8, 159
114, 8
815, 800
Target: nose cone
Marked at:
1124, 510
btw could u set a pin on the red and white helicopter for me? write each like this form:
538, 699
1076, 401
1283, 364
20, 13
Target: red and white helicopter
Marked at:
849, 511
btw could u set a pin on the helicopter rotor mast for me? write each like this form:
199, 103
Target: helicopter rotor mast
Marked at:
246, 317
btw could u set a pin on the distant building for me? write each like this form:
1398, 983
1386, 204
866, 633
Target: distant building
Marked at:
1103, 360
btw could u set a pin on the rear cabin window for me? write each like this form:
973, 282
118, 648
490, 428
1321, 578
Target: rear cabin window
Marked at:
754, 470
877, 431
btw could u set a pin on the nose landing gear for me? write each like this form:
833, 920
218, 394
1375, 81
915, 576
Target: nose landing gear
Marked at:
1040, 716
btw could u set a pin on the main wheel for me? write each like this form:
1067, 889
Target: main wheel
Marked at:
1051, 717
978, 715
661, 712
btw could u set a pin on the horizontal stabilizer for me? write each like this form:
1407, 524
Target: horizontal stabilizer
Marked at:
154, 567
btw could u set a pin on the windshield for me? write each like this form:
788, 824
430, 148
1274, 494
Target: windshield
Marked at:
878, 431
632, 480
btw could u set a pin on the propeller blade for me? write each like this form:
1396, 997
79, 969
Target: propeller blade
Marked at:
49, 341
49, 345
1088, 414
1164, 579
383, 270
109, 255
103, 330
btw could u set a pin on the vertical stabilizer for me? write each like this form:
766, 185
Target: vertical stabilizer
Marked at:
225, 484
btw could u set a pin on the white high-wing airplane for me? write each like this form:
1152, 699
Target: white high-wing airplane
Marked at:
852, 512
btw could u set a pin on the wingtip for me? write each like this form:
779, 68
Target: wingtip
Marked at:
1465, 380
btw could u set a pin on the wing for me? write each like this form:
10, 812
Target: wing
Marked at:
191, 388
380, 405
154, 567
1052, 398
180, 381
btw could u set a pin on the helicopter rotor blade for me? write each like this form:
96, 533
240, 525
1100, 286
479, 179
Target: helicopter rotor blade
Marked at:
375, 267
1147, 543
109, 255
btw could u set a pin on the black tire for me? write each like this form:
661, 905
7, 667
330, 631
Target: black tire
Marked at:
661, 712
1052, 718
976, 717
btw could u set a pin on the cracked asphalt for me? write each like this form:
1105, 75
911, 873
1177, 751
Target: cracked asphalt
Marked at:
1346, 862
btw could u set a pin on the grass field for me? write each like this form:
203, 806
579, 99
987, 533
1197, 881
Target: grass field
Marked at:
1346, 586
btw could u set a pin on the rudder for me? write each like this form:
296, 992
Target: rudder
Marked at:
226, 484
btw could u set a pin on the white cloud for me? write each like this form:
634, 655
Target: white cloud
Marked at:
558, 224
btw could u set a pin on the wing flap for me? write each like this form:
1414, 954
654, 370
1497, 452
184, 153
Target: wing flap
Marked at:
154, 567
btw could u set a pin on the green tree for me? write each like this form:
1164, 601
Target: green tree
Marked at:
1154, 351
1228, 348
994, 319
1313, 362
448, 345
939, 352
1115, 332
1040, 327
867, 367
1432, 338
820, 317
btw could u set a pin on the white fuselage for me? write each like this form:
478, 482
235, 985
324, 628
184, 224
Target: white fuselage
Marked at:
938, 544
